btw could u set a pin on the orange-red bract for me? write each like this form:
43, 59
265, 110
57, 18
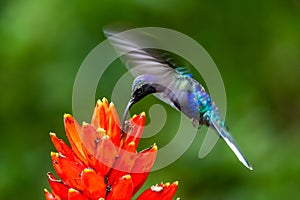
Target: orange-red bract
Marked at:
102, 162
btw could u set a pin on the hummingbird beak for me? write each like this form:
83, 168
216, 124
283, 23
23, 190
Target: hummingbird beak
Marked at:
130, 103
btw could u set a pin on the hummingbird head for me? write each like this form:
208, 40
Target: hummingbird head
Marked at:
141, 87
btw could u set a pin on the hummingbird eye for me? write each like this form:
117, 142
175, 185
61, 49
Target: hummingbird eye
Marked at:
139, 91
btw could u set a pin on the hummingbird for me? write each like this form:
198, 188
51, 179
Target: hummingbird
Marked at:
159, 73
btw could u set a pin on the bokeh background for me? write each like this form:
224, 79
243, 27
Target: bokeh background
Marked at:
255, 44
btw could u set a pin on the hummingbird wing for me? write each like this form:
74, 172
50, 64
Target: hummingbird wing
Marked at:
158, 63
143, 60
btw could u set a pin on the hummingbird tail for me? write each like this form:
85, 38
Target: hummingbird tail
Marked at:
223, 132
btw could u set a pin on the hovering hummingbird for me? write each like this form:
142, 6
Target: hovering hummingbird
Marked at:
158, 73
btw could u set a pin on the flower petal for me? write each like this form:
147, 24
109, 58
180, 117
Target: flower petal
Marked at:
72, 129
169, 190
122, 189
142, 166
159, 192
113, 129
98, 149
59, 171
68, 170
58, 187
76, 195
63, 148
105, 155
49, 196
123, 164
99, 115
93, 184
90, 139
96, 115
135, 131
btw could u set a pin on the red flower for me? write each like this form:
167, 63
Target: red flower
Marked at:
102, 163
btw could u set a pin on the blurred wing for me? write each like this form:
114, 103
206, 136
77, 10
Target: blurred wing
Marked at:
158, 63
141, 60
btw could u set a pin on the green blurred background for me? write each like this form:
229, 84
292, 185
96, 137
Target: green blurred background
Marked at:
255, 44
